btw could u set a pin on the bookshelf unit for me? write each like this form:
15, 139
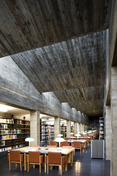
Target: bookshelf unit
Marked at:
46, 132
42, 132
72, 127
101, 128
13, 132
50, 133
63, 124
64, 131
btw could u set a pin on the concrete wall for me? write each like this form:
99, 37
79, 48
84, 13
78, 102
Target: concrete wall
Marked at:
17, 90
108, 132
114, 121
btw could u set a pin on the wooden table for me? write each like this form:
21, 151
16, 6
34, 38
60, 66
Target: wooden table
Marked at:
44, 150
84, 142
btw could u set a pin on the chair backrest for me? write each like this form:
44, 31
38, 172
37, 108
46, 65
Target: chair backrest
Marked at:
54, 158
67, 138
53, 143
14, 155
87, 139
65, 143
34, 156
77, 144
69, 147
35, 145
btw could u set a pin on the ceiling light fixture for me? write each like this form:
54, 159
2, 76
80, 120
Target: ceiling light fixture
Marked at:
3, 108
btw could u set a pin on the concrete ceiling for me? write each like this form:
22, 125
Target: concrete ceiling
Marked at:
70, 41
28, 24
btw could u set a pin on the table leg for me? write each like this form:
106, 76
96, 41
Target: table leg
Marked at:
59, 169
24, 161
45, 164
72, 158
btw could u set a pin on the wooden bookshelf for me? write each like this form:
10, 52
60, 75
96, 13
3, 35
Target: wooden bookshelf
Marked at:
64, 131
13, 132
46, 133
101, 128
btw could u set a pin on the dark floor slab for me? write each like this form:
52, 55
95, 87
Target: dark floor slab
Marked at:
83, 166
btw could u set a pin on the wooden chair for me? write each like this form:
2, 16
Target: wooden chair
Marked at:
56, 159
69, 147
77, 145
67, 138
53, 143
35, 145
34, 158
87, 139
15, 157
64, 143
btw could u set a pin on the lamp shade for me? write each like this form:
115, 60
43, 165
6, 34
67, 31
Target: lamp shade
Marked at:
59, 140
84, 133
77, 135
29, 139
59, 135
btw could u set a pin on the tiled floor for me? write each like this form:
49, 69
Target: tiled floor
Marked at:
83, 166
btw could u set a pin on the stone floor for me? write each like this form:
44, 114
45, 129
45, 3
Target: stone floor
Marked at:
83, 166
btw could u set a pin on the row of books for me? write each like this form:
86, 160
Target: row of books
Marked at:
11, 121
6, 137
4, 126
11, 131
2, 143
20, 122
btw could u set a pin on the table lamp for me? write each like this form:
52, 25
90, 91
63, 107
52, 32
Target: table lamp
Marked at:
71, 133
78, 135
59, 135
84, 133
29, 139
59, 140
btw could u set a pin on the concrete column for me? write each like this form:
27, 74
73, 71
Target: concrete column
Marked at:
113, 168
68, 128
108, 132
81, 127
35, 127
75, 128
85, 128
56, 127
78, 128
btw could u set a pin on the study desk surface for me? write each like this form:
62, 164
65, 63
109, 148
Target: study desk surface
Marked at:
45, 150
